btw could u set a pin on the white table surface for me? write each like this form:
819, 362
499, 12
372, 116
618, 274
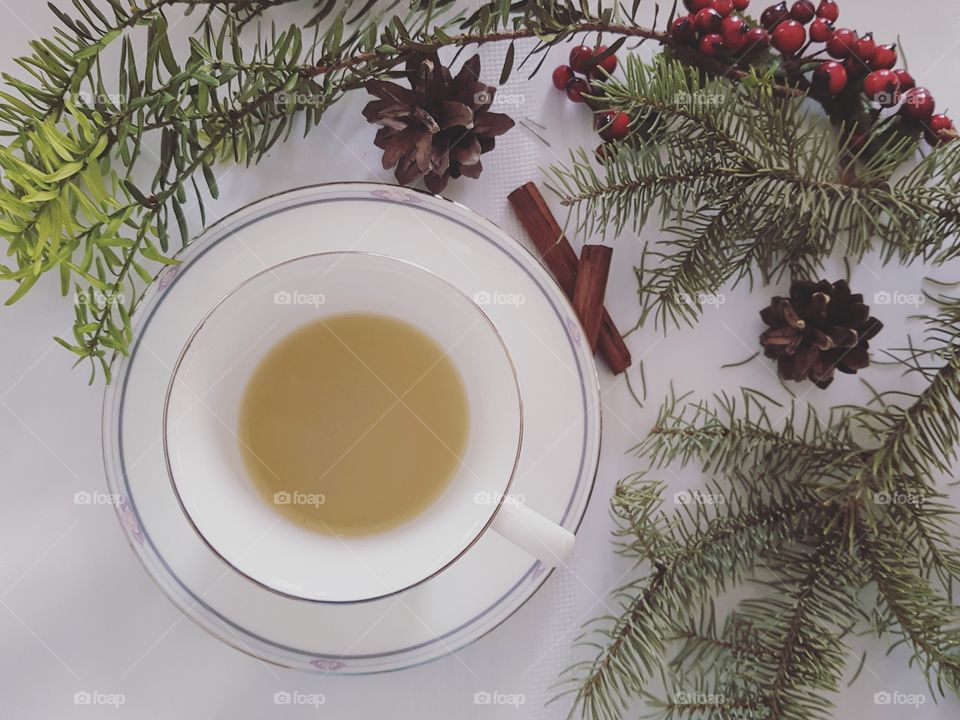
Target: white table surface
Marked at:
79, 614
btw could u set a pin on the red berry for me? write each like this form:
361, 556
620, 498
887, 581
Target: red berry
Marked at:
576, 89
803, 11
864, 48
606, 66
884, 57
918, 105
940, 130
906, 80
830, 78
696, 5
741, 4
773, 15
828, 10
882, 86
842, 42
562, 76
788, 37
682, 28
707, 21
724, 7
821, 30
616, 125
710, 44
581, 57
855, 68
757, 40
734, 31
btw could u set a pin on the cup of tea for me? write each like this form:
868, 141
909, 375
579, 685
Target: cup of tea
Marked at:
343, 426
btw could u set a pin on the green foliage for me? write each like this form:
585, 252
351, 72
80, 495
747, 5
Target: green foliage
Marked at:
816, 510
80, 138
65, 204
101, 171
748, 183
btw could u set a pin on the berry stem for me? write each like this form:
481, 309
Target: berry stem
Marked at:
687, 54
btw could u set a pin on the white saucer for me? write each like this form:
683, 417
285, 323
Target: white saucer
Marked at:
557, 465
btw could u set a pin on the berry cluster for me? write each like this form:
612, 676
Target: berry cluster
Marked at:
588, 63
714, 27
859, 63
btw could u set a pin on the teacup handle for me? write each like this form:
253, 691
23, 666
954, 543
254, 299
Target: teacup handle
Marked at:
531, 531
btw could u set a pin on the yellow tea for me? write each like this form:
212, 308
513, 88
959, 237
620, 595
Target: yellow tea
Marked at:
353, 424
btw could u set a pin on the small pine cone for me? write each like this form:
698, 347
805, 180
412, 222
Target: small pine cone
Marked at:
819, 328
437, 128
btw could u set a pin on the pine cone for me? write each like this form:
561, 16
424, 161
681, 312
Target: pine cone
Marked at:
440, 127
819, 328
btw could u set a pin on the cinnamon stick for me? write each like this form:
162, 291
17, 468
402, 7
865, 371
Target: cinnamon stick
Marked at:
590, 287
559, 256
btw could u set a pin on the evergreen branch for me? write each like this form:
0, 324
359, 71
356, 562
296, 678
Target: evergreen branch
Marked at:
923, 524
777, 202
918, 441
736, 433
687, 565
863, 518
155, 204
65, 209
929, 623
805, 627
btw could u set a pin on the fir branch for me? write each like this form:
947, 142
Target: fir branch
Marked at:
864, 520
732, 434
66, 209
690, 558
739, 201
916, 437
804, 624
922, 616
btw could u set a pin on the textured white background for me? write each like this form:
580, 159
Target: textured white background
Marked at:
78, 613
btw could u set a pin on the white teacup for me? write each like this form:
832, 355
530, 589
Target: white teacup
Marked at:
207, 470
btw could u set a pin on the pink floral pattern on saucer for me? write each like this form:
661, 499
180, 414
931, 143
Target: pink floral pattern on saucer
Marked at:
129, 520
327, 665
396, 194
167, 277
